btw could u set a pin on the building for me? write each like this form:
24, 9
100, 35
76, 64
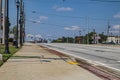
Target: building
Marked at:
115, 39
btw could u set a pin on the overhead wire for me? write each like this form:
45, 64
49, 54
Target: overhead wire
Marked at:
107, 0
78, 17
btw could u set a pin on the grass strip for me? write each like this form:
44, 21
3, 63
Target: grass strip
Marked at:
12, 49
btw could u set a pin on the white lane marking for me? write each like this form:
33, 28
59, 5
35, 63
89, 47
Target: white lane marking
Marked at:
89, 61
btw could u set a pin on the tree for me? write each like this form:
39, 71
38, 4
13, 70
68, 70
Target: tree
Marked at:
88, 38
103, 37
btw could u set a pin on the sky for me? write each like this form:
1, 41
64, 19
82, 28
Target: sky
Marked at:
56, 18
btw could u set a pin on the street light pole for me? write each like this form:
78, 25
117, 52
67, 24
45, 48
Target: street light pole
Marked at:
21, 21
17, 5
79, 35
6, 26
0, 20
23, 24
0, 23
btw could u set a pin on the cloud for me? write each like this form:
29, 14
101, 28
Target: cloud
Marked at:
62, 8
116, 27
38, 36
48, 35
35, 21
72, 28
43, 18
114, 32
117, 15
29, 35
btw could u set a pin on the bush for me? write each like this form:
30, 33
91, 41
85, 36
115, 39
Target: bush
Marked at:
10, 39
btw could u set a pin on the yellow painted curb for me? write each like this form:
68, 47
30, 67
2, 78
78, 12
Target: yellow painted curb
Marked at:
72, 62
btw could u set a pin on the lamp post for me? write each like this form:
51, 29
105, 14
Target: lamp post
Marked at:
79, 35
17, 5
0, 20
6, 26
21, 22
0, 23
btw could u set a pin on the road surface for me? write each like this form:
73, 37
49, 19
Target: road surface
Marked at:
100, 55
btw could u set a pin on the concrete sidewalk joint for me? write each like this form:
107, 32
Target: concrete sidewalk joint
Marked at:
33, 62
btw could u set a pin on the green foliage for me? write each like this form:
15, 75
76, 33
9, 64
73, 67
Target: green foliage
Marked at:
64, 40
103, 38
7, 56
87, 39
10, 39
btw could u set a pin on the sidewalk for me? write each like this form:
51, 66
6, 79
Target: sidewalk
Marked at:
34, 63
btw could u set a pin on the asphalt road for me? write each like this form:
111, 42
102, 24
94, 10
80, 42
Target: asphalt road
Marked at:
99, 55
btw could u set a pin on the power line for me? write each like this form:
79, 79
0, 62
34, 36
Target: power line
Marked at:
57, 15
111, 1
58, 25
78, 17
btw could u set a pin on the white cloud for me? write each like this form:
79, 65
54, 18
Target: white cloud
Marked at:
114, 32
62, 8
38, 36
35, 21
29, 35
72, 28
116, 27
43, 18
117, 15
48, 35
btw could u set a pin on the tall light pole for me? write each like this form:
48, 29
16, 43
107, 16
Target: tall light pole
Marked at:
0, 18
6, 26
79, 35
21, 21
108, 29
23, 24
0, 22
17, 5
3, 24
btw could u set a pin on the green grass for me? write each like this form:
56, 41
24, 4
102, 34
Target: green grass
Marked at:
7, 56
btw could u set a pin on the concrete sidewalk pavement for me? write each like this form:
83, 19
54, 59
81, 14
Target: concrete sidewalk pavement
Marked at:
35, 63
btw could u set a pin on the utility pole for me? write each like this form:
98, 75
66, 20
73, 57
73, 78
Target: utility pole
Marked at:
87, 24
3, 35
79, 36
17, 5
21, 22
0, 23
0, 19
108, 29
94, 40
23, 34
6, 26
